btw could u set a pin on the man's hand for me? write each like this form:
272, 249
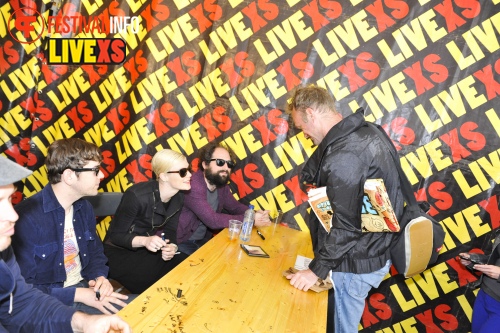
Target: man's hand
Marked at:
303, 280
81, 322
262, 218
489, 270
464, 258
105, 304
102, 285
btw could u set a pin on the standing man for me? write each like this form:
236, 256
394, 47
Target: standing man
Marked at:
349, 152
210, 204
56, 244
22, 307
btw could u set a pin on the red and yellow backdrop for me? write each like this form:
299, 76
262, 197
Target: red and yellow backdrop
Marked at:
202, 70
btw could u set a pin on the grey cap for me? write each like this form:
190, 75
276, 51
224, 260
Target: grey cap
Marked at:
11, 172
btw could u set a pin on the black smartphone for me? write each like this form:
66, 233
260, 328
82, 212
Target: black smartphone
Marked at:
471, 260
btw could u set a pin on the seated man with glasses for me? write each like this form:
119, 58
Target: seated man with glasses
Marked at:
56, 244
140, 242
209, 205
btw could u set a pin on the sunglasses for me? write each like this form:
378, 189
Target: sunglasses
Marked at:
95, 169
182, 172
220, 162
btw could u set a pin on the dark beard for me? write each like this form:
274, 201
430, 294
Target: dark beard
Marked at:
215, 178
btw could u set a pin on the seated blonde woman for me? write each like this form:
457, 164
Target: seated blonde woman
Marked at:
140, 241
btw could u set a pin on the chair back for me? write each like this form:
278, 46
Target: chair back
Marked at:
105, 203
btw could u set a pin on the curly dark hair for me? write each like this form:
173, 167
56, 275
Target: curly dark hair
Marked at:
205, 154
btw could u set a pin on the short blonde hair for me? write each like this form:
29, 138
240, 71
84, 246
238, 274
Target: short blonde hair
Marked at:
164, 160
311, 97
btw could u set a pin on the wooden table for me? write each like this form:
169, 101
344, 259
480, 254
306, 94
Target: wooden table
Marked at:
225, 290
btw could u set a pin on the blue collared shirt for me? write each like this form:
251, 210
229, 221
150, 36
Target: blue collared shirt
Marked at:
39, 243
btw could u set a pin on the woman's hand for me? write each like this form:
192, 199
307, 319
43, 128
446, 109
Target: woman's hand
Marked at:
168, 251
154, 243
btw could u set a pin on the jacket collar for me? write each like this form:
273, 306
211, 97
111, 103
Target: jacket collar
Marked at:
348, 125
50, 202
175, 202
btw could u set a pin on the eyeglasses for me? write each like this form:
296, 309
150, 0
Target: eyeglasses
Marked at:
220, 162
182, 172
95, 169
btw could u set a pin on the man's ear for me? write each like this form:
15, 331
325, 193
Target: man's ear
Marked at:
68, 176
204, 164
310, 113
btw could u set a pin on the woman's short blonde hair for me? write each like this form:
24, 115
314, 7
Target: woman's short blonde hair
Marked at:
164, 160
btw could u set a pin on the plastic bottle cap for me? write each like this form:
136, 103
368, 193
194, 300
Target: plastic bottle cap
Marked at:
250, 206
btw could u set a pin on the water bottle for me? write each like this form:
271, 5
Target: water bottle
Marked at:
246, 229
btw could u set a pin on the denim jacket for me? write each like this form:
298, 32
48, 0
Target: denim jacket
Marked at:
39, 243
25, 309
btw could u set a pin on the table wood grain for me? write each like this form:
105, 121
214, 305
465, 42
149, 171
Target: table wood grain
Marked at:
225, 290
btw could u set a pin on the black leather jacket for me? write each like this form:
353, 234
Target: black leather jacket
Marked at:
350, 153
489, 285
141, 213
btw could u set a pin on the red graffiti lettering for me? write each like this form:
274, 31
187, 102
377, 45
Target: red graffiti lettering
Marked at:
384, 21
135, 65
312, 10
239, 181
137, 175
293, 184
154, 13
251, 12
181, 76
266, 135
492, 86
491, 206
453, 21
119, 117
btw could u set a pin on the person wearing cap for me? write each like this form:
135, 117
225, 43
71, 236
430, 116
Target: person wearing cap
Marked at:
56, 243
209, 205
22, 307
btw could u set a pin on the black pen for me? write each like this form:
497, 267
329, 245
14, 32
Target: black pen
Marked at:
98, 292
260, 234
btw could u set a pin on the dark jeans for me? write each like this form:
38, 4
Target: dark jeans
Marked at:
190, 246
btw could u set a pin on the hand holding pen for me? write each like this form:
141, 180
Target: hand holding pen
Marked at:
169, 250
101, 286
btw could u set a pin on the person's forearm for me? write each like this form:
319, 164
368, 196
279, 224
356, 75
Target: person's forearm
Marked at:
139, 241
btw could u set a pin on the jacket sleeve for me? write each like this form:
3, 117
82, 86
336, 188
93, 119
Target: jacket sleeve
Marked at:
24, 247
344, 181
97, 260
197, 202
231, 205
33, 311
121, 230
